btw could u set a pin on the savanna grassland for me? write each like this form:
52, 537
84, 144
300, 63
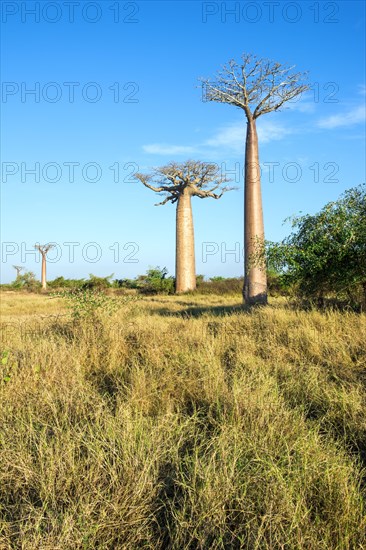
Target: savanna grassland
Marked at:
181, 422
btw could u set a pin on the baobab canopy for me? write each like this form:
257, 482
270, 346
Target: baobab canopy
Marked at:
258, 86
200, 179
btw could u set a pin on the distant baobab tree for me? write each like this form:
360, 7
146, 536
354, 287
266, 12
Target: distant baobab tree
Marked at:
257, 86
18, 269
179, 182
44, 249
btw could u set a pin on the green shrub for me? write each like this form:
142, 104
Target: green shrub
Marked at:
156, 281
220, 285
125, 283
88, 303
97, 283
27, 281
61, 282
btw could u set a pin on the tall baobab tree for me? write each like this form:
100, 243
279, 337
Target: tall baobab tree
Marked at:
18, 269
257, 86
179, 182
44, 249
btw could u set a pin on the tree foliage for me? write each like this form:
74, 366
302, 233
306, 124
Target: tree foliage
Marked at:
88, 303
26, 281
97, 283
326, 252
157, 280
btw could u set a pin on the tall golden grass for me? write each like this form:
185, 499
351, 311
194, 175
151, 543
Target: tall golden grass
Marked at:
182, 422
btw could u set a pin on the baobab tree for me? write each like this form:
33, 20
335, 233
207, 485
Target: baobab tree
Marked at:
18, 269
179, 182
44, 249
257, 86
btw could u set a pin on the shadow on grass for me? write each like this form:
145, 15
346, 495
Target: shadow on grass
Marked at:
193, 310
200, 311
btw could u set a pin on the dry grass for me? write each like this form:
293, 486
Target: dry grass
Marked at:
182, 422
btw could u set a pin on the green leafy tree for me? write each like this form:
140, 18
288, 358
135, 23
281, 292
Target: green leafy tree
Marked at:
26, 281
326, 252
156, 280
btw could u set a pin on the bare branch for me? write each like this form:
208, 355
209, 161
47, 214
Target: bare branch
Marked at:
199, 178
257, 86
209, 193
44, 248
144, 179
167, 199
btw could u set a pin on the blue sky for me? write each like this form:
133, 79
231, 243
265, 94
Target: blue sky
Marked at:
116, 86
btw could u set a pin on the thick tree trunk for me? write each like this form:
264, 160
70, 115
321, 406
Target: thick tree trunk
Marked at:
43, 279
185, 269
255, 277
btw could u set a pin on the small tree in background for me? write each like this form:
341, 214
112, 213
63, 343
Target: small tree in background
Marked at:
44, 249
18, 269
256, 86
179, 182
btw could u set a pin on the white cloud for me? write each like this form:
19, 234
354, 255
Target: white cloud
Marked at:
228, 139
271, 131
162, 149
354, 116
302, 104
233, 137
305, 107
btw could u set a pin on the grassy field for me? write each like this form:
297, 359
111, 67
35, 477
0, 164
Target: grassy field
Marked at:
181, 422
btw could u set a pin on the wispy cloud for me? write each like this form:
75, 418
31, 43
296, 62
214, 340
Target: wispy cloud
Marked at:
232, 137
229, 139
303, 104
162, 149
271, 131
349, 118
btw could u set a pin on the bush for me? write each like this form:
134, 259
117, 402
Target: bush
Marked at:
156, 281
125, 283
27, 281
220, 285
97, 283
276, 285
61, 282
88, 303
